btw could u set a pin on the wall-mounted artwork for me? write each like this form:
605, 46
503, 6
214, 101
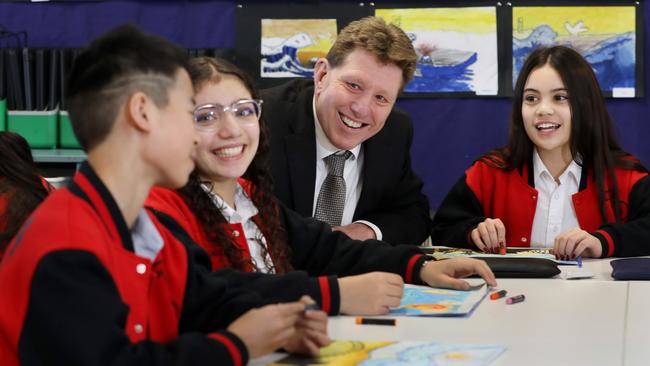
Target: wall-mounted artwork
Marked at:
291, 47
456, 48
604, 35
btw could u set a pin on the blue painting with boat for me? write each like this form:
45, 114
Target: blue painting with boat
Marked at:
605, 36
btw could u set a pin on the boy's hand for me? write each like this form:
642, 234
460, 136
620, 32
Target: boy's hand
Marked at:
268, 328
311, 332
371, 293
446, 273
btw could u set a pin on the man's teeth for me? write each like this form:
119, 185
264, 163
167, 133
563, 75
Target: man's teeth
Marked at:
547, 126
350, 123
229, 151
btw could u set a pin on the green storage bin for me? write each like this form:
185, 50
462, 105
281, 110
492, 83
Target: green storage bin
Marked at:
3, 115
39, 128
67, 138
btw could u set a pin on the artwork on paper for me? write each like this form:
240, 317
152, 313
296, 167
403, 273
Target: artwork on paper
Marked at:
405, 353
456, 48
604, 35
291, 47
544, 253
428, 301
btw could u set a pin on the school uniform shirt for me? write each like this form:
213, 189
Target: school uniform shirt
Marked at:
79, 287
243, 215
554, 213
351, 174
315, 248
489, 192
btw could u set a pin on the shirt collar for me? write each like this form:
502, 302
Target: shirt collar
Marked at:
245, 207
324, 146
147, 241
573, 171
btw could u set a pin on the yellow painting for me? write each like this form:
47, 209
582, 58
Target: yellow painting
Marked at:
456, 47
290, 47
352, 353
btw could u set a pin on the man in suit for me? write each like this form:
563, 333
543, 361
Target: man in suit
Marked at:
347, 111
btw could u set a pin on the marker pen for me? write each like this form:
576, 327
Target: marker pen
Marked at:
374, 321
515, 299
498, 295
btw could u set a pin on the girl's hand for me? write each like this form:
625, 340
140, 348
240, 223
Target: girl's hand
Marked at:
489, 235
575, 242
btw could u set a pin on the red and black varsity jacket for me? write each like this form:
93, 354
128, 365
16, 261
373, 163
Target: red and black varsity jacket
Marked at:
315, 248
74, 291
489, 192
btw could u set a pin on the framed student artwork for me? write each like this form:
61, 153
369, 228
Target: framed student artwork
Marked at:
456, 47
607, 35
280, 40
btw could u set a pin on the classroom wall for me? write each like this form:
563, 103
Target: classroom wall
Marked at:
450, 133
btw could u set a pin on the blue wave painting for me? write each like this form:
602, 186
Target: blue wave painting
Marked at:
283, 59
613, 59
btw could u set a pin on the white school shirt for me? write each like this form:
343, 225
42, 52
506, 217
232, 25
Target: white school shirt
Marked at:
147, 241
243, 214
555, 212
351, 175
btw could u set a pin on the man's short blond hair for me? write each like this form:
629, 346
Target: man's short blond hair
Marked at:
386, 41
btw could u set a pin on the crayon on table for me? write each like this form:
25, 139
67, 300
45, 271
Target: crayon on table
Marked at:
515, 299
374, 321
579, 260
498, 295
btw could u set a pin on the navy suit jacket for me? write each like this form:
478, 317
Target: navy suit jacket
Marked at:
391, 196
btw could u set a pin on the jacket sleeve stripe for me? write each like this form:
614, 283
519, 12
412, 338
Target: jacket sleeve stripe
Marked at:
325, 293
410, 268
610, 241
230, 346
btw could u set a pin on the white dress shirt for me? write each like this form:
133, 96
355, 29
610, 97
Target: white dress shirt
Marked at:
147, 241
555, 212
243, 214
351, 175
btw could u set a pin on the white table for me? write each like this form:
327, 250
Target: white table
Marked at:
562, 322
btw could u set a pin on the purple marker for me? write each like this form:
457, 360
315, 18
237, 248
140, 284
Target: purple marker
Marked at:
515, 299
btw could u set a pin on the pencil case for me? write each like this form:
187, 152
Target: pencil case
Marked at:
522, 267
631, 269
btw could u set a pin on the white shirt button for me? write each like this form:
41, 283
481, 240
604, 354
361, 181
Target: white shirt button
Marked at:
524, 239
141, 268
138, 328
235, 233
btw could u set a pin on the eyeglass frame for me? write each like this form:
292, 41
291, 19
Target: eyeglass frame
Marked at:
229, 108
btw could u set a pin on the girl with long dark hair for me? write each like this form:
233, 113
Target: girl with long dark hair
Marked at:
229, 209
21, 186
561, 182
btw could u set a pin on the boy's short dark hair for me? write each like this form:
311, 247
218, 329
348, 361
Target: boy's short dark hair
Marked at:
111, 69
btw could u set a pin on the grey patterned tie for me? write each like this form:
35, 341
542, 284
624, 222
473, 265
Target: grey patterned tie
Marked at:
331, 198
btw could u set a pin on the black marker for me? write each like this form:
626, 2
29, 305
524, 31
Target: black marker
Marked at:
375, 321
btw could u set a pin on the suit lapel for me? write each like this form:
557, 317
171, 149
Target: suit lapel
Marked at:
301, 154
374, 150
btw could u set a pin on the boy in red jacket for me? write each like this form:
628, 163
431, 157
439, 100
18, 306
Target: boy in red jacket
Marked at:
93, 279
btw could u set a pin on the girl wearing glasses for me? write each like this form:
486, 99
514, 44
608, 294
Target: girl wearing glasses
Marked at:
229, 209
561, 182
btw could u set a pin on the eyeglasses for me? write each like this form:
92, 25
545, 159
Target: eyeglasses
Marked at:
207, 116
